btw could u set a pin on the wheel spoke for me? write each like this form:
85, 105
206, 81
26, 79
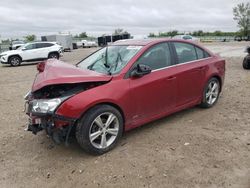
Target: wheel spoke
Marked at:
95, 135
210, 99
112, 131
110, 120
210, 86
103, 141
214, 87
99, 122
207, 94
214, 94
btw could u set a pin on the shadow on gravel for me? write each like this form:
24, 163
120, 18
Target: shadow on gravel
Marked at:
76, 150
22, 65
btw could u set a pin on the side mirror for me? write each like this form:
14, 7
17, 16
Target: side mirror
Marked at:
23, 49
140, 70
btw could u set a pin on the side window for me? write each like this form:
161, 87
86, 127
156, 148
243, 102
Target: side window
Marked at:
156, 57
43, 45
187, 37
48, 45
206, 54
201, 53
185, 52
39, 45
30, 46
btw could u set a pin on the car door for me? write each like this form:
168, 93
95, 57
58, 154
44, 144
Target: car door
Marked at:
190, 73
44, 51
30, 52
154, 93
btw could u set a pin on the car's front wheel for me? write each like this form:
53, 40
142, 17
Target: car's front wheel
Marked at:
99, 129
211, 93
15, 61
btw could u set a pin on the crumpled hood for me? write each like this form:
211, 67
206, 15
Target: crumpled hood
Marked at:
57, 72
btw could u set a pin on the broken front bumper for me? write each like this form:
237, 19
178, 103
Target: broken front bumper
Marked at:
56, 126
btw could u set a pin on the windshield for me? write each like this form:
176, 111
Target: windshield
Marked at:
109, 60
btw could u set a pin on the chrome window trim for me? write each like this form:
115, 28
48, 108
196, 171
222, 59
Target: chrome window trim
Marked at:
181, 64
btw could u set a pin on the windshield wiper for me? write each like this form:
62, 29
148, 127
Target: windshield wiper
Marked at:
117, 59
106, 62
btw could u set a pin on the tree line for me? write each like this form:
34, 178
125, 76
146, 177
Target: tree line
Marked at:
198, 33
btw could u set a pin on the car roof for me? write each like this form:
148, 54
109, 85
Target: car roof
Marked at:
41, 42
137, 42
145, 42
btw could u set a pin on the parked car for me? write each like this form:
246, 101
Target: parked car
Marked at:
242, 38
88, 44
186, 37
246, 61
120, 87
31, 52
16, 44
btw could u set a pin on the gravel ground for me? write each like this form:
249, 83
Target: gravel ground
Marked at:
216, 153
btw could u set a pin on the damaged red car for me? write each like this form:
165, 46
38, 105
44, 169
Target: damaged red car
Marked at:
120, 87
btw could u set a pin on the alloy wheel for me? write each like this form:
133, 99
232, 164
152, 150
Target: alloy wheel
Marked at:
15, 61
212, 92
104, 130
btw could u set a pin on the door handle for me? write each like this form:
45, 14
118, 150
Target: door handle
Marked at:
171, 78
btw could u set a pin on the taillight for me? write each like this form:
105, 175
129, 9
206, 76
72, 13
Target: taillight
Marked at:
40, 66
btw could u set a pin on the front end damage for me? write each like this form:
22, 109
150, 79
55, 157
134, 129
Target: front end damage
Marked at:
41, 106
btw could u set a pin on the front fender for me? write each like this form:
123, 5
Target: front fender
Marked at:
114, 92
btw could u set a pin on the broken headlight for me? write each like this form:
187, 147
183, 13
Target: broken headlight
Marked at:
46, 105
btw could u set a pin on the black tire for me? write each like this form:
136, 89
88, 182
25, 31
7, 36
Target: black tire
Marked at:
87, 124
246, 62
207, 102
53, 55
15, 61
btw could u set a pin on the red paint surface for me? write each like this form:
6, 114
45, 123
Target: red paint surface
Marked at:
140, 100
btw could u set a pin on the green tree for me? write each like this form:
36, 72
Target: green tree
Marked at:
83, 35
119, 31
163, 34
151, 35
218, 33
172, 33
242, 16
30, 38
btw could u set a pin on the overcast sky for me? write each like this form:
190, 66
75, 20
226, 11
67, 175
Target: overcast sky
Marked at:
96, 17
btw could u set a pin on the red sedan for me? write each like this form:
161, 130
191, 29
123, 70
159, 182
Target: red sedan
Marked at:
120, 87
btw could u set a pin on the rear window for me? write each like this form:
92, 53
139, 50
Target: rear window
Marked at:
201, 53
188, 52
185, 52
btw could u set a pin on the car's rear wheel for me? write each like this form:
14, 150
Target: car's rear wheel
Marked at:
15, 61
246, 63
99, 129
53, 56
211, 93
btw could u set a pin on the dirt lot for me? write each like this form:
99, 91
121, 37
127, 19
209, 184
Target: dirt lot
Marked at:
155, 155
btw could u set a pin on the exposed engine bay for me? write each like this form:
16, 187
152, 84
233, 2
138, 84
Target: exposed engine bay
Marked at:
62, 90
